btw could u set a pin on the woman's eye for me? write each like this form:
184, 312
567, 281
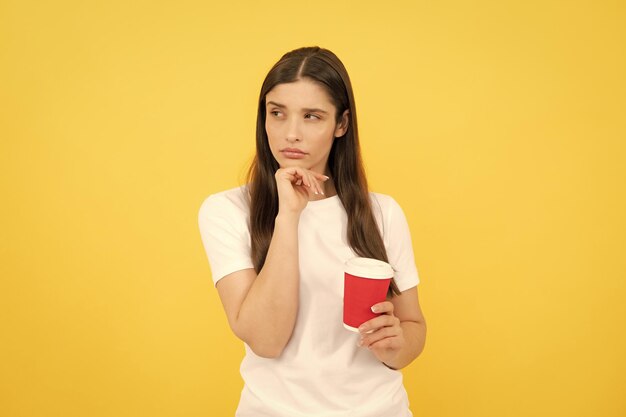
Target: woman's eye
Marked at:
311, 116
274, 112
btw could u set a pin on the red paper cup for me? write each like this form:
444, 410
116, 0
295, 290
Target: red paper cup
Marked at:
366, 282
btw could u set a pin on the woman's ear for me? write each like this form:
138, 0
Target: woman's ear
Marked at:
342, 126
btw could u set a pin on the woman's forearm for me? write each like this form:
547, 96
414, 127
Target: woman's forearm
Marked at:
268, 313
415, 338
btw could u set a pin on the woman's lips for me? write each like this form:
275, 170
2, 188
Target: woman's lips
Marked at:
293, 153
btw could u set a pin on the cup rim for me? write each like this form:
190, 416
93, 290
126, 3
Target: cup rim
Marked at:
368, 268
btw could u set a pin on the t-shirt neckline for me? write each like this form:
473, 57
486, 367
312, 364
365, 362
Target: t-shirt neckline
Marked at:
325, 202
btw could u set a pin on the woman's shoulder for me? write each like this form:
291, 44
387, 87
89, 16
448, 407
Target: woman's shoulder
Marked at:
385, 208
232, 201
384, 201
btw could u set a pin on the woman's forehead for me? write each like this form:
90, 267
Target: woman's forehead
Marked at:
300, 94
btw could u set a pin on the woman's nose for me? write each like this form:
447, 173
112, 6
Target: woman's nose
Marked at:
293, 131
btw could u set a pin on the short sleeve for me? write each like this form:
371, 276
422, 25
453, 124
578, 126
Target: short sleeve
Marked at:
225, 235
397, 239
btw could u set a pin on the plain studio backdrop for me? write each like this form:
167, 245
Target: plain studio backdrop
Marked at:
498, 126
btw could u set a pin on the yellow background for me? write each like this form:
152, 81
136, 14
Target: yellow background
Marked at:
498, 126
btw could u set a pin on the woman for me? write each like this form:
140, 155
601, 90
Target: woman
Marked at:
277, 248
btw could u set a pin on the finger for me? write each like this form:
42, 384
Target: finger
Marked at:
293, 171
321, 177
289, 175
384, 333
316, 185
306, 180
298, 177
386, 344
383, 308
295, 179
312, 182
283, 173
320, 186
378, 323
319, 180
321, 189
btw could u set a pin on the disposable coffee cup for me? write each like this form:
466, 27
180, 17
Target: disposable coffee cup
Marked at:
366, 282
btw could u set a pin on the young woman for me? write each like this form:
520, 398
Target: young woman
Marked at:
277, 248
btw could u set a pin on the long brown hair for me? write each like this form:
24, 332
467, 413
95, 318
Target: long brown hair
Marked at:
344, 161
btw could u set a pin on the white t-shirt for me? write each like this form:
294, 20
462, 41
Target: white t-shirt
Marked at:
321, 372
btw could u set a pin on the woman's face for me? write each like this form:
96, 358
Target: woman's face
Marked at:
300, 125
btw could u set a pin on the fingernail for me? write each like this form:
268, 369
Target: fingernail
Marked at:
374, 309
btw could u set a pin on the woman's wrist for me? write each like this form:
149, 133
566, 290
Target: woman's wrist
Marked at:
287, 218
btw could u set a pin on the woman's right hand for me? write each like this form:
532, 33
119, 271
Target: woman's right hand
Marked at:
295, 185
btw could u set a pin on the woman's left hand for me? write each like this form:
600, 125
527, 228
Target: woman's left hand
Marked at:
383, 334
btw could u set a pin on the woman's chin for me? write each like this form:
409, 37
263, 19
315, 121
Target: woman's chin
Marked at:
293, 163
298, 163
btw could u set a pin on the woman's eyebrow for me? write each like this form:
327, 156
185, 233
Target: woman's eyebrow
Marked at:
282, 106
316, 110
